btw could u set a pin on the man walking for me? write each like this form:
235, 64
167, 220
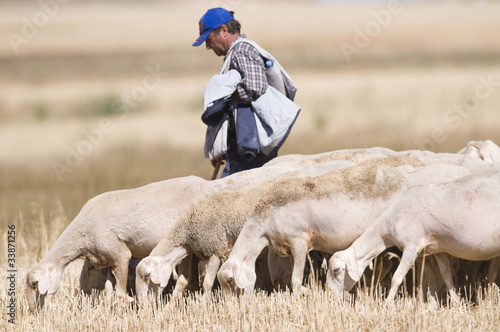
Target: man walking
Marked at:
257, 118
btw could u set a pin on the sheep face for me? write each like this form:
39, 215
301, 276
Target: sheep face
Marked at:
42, 282
236, 279
338, 277
226, 280
151, 276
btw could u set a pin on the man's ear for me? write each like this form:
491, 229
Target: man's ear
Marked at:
224, 31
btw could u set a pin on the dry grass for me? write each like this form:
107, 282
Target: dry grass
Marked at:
279, 311
81, 67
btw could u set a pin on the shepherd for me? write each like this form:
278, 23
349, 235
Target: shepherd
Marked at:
248, 107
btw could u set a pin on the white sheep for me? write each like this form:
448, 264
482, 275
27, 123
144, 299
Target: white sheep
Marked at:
326, 213
473, 156
416, 174
459, 218
111, 229
211, 226
486, 151
207, 230
432, 173
353, 155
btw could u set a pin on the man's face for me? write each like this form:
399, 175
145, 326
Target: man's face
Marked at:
216, 43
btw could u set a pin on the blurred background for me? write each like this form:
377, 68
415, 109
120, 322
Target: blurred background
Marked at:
105, 95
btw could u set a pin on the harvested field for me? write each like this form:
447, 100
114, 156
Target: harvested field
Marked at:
103, 95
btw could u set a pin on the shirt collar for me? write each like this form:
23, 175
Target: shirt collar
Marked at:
236, 41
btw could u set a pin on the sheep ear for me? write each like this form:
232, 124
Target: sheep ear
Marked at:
165, 274
155, 277
156, 271
354, 275
43, 281
352, 268
164, 283
240, 277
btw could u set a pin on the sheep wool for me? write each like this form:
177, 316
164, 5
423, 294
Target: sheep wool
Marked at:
211, 225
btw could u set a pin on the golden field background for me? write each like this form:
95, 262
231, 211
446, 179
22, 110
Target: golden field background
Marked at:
81, 66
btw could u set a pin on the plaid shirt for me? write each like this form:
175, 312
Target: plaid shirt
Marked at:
248, 62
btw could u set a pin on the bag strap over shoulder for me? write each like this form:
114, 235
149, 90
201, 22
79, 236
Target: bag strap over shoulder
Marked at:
276, 75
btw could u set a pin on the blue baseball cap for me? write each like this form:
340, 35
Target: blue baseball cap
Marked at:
212, 19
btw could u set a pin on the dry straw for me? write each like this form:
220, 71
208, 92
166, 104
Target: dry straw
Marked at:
278, 311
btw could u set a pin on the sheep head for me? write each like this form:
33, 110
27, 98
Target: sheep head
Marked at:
42, 282
235, 278
342, 272
151, 274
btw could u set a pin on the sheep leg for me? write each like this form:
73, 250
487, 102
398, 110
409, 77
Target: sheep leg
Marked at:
211, 272
407, 260
429, 284
180, 285
120, 270
108, 284
299, 252
493, 269
279, 269
443, 262
185, 269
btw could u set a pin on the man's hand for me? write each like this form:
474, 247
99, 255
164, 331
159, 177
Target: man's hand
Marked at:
235, 95
219, 161
216, 163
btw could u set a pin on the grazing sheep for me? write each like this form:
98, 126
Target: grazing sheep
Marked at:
475, 152
473, 157
111, 229
207, 230
486, 151
354, 155
459, 218
326, 213
432, 173
211, 226
250, 177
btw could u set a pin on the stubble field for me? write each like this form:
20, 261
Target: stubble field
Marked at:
107, 95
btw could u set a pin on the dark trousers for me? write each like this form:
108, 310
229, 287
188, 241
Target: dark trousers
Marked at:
236, 163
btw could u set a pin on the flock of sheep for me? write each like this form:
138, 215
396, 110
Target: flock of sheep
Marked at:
256, 228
